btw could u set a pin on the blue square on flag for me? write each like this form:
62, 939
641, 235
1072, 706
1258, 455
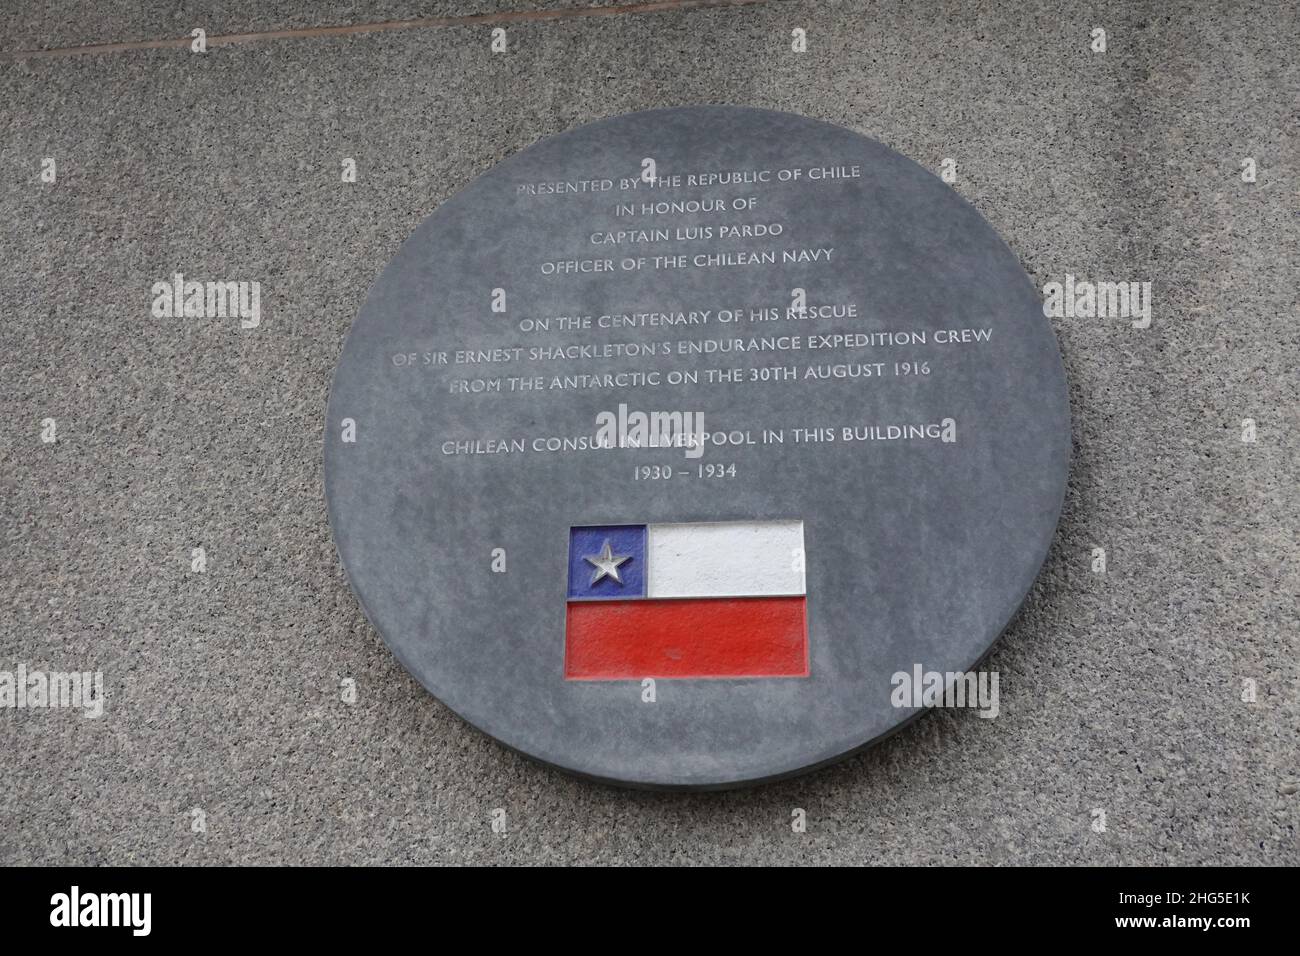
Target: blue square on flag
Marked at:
607, 562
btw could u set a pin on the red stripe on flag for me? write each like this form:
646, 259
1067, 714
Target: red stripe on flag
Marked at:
711, 637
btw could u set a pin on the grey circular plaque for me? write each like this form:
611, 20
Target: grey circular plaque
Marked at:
672, 448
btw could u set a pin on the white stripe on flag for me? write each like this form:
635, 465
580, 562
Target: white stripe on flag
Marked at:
724, 559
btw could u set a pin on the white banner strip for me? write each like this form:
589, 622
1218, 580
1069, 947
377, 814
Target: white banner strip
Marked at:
725, 559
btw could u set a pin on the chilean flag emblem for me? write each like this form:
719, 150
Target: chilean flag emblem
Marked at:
718, 599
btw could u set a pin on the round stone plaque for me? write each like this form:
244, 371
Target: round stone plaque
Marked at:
677, 450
